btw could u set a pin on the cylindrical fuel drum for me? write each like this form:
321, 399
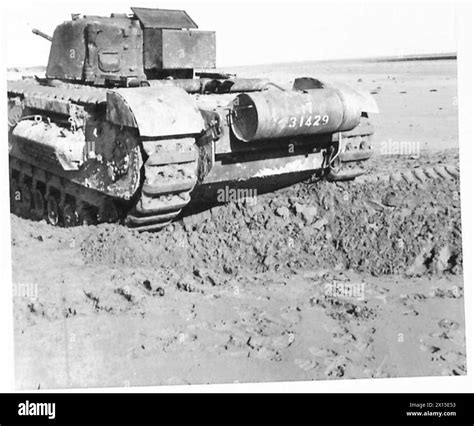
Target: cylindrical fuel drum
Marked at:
278, 114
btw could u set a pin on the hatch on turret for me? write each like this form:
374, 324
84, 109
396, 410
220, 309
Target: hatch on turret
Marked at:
163, 18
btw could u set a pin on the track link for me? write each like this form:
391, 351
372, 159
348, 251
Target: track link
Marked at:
355, 148
170, 174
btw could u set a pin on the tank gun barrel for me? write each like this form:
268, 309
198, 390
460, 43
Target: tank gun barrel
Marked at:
42, 34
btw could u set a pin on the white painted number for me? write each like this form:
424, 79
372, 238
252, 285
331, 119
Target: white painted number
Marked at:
309, 121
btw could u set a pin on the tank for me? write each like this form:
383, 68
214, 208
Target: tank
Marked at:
132, 124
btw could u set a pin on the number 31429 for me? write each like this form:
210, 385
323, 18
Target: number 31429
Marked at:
308, 121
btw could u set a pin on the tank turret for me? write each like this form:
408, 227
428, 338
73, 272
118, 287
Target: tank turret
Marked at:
126, 50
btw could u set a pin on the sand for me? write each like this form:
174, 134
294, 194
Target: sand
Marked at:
316, 281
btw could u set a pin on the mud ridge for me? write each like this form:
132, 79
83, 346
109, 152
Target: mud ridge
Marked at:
406, 222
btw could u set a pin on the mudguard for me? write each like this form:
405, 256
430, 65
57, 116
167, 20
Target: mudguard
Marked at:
155, 111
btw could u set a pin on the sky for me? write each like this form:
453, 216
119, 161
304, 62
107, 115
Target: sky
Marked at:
259, 32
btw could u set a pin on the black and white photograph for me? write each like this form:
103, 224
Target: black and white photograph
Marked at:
233, 192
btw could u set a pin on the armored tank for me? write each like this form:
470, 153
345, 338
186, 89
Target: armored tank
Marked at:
132, 123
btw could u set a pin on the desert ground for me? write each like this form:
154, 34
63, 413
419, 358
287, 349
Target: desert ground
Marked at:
316, 281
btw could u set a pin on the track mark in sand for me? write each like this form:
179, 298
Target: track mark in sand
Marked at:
417, 175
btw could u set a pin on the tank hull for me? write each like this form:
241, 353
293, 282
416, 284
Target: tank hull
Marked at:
141, 155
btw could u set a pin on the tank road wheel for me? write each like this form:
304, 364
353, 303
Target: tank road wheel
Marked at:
86, 215
25, 203
52, 208
39, 205
69, 215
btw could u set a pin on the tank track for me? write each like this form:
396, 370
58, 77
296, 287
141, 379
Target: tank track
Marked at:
170, 176
355, 148
169, 172
61, 92
37, 194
